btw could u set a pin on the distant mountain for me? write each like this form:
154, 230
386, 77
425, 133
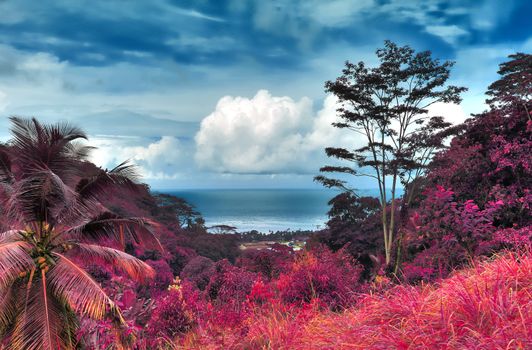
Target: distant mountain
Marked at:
123, 122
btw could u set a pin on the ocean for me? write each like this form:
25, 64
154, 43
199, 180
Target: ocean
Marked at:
263, 210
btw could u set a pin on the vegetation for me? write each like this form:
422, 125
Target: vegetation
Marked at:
91, 259
51, 222
387, 105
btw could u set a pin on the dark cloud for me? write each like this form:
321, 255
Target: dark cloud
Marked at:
276, 34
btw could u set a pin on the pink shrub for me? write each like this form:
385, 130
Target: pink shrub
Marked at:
445, 234
164, 276
229, 283
268, 262
331, 277
226, 293
487, 306
171, 316
261, 293
198, 271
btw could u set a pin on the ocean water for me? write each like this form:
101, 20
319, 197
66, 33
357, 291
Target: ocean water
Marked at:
263, 210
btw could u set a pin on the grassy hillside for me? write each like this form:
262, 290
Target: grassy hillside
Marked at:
487, 306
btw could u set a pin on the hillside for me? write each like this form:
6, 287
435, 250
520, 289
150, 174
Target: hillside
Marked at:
487, 306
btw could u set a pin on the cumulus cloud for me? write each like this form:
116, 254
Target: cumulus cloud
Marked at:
265, 134
162, 159
278, 135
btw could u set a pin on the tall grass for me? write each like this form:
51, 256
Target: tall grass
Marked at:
487, 306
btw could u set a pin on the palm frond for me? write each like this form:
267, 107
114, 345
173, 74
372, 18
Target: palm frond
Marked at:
38, 145
135, 268
8, 309
40, 325
78, 150
109, 225
9, 236
124, 176
14, 259
73, 285
5, 165
41, 197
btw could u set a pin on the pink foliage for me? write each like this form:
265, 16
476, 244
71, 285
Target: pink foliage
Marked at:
164, 276
448, 233
268, 262
171, 315
334, 278
198, 271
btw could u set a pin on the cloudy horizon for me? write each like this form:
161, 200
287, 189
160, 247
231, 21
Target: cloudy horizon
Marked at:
229, 94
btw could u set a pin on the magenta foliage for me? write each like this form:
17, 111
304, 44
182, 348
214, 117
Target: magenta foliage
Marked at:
229, 283
261, 292
227, 290
171, 315
448, 233
268, 262
514, 238
488, 167
163, 277
198, 271
333, 278
491, 161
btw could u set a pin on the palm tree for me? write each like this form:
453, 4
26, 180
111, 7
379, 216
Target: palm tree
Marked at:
52, 221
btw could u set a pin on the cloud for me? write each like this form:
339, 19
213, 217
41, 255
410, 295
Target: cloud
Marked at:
266, 134
449, 33
277, 135
451, 112
337, 13
30, 67
488, 14
160, 160
196, 14
204, 44
3, 101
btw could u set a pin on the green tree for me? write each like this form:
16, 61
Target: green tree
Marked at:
387, 105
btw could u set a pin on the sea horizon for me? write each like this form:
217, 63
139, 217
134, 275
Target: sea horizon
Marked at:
263, 209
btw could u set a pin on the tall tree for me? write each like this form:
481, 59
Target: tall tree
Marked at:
515, 85
387, 105
51, 223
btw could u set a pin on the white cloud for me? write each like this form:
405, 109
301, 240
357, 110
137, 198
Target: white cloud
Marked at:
451, 112
158, 160
196, 14
266, 134
304, 20
488, 14
449, 33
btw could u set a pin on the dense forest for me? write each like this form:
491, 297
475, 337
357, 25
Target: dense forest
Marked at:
91, 259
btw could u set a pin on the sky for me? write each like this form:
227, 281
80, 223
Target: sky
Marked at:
230, 94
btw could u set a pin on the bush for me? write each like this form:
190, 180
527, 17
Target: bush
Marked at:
198, 271
268, 262
333, 278
171, 316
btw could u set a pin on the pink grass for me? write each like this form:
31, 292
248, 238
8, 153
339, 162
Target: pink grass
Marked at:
487, 306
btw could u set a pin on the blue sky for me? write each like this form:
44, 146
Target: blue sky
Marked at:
207, 94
